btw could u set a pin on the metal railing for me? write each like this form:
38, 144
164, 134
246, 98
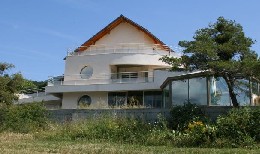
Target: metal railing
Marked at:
121, 48
121, 77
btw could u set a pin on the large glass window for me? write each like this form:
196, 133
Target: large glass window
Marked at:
243, 91
219, 92
135, 98
116, 98
166, 97
179, 92
198, 91
86, 72
153, 99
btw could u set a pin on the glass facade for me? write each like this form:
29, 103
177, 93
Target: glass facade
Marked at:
166, 97
211, 91
135, 98
117, 98
149, 99
243, 92
153, 99
219, 94
179, 92
198, 91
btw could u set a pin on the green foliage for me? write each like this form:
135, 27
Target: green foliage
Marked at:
4, 67
240, 126
30, 86
23, 118
181, 116
10, 85
223, 49
109, 128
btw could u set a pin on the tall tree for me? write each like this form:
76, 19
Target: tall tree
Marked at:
221, 48
10, 84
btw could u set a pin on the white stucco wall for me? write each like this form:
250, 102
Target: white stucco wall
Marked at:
70, 100
101, 64
125, 33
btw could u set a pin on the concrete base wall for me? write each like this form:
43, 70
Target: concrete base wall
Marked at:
144, 114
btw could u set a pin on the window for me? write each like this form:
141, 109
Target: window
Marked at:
86, 72
116, 98
84, 101
153, 99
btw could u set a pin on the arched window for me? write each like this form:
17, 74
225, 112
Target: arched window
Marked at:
84, 101
86, 72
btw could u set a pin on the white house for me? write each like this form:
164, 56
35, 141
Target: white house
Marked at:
119, 66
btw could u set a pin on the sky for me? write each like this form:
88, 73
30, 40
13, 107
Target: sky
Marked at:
36, 34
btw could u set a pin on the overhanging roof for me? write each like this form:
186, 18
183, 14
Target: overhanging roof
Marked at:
114, 24
186, 76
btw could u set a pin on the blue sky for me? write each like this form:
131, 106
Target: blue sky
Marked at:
35, 34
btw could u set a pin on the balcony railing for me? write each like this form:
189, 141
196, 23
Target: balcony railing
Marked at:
122, 77
122, 48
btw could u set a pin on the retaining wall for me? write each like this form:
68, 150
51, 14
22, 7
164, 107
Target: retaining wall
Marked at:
63, 115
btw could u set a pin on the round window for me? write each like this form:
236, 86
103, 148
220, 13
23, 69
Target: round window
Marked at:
86, 72
84, 101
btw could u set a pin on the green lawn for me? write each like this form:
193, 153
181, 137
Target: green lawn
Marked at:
18, 143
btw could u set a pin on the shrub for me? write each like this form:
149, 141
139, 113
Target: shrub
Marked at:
24, 118
181, 116
240, 126
111, 129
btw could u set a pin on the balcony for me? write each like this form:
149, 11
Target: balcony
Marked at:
123, 48
113, 78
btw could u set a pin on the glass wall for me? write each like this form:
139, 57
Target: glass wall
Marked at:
211, 91
135, 98
153, 99
243, 92
166, 97
117, 98
179, 92
198, 91
149, 99
219, 94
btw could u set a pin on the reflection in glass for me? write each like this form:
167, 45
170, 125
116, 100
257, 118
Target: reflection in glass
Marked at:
242, 89
153, 99
198, 91
84, 101
86, 72
166, 97
219, 92
116, 98
179, 92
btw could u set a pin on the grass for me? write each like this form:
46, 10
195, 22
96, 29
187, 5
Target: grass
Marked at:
26, 143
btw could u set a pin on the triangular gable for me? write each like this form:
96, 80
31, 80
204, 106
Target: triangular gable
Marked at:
114, 24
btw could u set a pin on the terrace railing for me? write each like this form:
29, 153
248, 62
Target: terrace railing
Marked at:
121, 48
121, 77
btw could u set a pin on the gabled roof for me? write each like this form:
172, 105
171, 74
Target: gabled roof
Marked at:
114, 24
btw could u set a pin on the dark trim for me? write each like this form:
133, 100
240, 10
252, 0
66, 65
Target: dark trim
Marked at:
186, 76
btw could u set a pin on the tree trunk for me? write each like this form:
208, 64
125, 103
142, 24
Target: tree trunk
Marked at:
230, 84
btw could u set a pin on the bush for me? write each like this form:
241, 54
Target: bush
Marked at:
241, 126
181, 116
111, 129
23, 118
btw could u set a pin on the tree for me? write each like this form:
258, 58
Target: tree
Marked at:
223, 49
10, 85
